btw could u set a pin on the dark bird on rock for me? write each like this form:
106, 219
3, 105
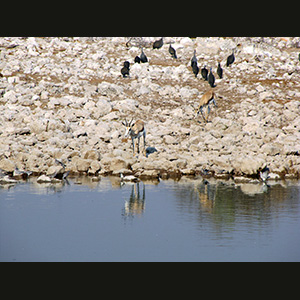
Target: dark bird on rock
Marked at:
220, 71
211, 79
127, 64
137, 59
230, 59
204, 73
125, 69
158, 44
195, 68
194, 58
264, 174
124, 72
143, 57
172, 51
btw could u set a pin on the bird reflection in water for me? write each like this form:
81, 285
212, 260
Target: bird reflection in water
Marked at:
136, 203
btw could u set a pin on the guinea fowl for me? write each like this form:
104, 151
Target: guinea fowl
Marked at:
220, 71
125, 72
137, 59
158, 44
143, 57
204, 73
230, 59
126, 64
172, 51
125, 69
195, 68
194, 58
211, 79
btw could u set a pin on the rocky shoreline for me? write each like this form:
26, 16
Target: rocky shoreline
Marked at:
65, 99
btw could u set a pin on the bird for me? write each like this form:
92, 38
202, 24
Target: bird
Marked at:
264, 174
137, 59
158, 44
125, 69
195, 68
17, 174
230, 59
61, 174
204, 72
211, 78
127, 64
125, 72
172, 51
143, 57
220, 71
194, 59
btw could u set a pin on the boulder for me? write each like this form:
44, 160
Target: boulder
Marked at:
271, 148
126, 105
43, 179
81, 164
247, 165
118, 163
7, 165
170, 140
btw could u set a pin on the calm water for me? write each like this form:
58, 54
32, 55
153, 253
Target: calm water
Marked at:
167, 221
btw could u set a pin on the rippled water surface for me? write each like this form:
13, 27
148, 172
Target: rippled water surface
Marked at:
189, 220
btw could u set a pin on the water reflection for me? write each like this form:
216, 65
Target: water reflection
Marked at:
135, 205
50, 188
206, 195
226, 205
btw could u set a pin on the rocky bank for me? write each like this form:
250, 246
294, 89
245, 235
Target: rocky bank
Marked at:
65, 98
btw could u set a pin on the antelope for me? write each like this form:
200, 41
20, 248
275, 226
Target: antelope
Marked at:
205, 100
135, 130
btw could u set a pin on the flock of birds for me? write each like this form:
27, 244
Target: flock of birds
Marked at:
207, 76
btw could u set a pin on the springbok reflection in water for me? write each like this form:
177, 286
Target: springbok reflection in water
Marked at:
136, 203
207, 195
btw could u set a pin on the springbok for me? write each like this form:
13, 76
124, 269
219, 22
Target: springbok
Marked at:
135, 130
206, 99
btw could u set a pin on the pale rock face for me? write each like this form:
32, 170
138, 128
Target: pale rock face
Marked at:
65, 98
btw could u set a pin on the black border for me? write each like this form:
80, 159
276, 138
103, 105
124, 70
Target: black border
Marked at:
146, 18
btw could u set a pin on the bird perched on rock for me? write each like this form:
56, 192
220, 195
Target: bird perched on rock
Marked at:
211, 78
127, 64
220, 71
195, 68
125, 69
143, 57
125, 72
204, 73
264, 174
17, 174
172, 51
194, 59
158, 44
230, 59
60, 173
137, 59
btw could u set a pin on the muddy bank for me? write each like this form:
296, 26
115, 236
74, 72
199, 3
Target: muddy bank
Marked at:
65, 99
